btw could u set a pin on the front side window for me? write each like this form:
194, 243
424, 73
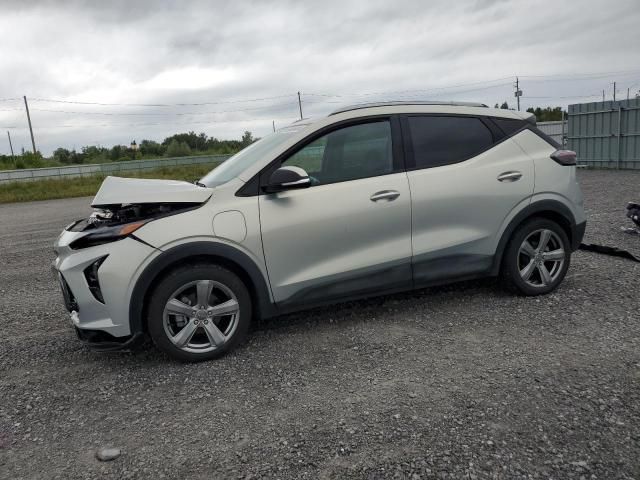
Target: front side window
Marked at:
350, 153
442, 140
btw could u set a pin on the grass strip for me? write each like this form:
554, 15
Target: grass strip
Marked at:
88, 185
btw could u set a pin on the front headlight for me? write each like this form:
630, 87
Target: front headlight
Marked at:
103, 235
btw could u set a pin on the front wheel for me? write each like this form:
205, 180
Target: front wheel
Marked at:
536, 258
199, 312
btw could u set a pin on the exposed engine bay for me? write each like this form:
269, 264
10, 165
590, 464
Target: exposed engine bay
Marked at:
112, 215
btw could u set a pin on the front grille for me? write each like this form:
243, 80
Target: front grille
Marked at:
70, 302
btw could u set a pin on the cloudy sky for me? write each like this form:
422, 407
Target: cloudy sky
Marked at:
110, 72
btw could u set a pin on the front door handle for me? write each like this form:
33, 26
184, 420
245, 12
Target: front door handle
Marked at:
388, 195
509, 176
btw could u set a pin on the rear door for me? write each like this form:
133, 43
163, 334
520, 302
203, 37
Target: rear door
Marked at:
466, 178
349, 233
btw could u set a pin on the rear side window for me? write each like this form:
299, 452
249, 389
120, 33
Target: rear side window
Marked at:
442, 140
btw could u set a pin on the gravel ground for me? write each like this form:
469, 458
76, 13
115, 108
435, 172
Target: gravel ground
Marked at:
463, 381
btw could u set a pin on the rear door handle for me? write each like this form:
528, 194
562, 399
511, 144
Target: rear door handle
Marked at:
509, 176
388, 195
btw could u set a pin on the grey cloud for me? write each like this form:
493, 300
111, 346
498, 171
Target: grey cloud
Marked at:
114, 51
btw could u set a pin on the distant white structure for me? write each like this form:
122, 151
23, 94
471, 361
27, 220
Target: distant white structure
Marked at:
556, 130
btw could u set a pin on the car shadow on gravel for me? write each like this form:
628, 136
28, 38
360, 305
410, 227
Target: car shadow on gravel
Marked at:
146, 356
404, 302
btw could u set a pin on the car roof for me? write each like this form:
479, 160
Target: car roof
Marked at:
427, 107
360, 106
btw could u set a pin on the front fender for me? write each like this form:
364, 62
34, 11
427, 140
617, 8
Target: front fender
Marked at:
179, 254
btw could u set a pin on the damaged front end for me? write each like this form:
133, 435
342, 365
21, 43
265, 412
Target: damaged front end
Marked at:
115, 222
95, 281
123, 205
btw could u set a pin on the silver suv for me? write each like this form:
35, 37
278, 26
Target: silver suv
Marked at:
371, 199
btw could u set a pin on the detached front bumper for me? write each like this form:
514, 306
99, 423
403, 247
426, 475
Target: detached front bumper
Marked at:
96, 284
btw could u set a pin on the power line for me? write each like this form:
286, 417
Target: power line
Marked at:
559, 77
79, 112
551, 77
220, 102
389, 92
583, 75
205, 122
566, 96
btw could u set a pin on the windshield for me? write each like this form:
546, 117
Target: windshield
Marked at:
246, 157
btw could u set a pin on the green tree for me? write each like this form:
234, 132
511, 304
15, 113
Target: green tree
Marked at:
62, 155
76, 157
117, 152
547, 114
150, 148
193, 141
30, 160
247, 139
93, 154
178, 149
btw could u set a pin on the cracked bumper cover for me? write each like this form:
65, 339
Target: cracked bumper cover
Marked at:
101, 322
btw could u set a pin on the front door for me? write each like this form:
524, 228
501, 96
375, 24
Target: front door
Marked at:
348, 234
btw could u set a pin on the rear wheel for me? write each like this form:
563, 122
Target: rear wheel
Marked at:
537, 257
199, 312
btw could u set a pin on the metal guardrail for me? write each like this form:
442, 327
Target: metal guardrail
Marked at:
31, 174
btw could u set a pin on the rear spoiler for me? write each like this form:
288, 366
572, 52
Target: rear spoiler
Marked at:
529, 117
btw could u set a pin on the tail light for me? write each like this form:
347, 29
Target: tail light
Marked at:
564, 157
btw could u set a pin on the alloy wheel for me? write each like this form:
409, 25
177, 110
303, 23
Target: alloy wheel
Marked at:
540, 258
201, 316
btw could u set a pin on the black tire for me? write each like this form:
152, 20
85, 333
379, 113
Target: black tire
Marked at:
511, 277
177, 279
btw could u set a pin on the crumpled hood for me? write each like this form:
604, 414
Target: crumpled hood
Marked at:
116, 190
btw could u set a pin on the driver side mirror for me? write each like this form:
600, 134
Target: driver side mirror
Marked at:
288, 178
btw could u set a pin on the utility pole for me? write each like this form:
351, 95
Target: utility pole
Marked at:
11, 146
33, 142
518, 93
628, 92
603, 96
300, 105
273, 123
614, 91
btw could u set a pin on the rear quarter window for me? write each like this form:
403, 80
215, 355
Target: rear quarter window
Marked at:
510, 127
441, 140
